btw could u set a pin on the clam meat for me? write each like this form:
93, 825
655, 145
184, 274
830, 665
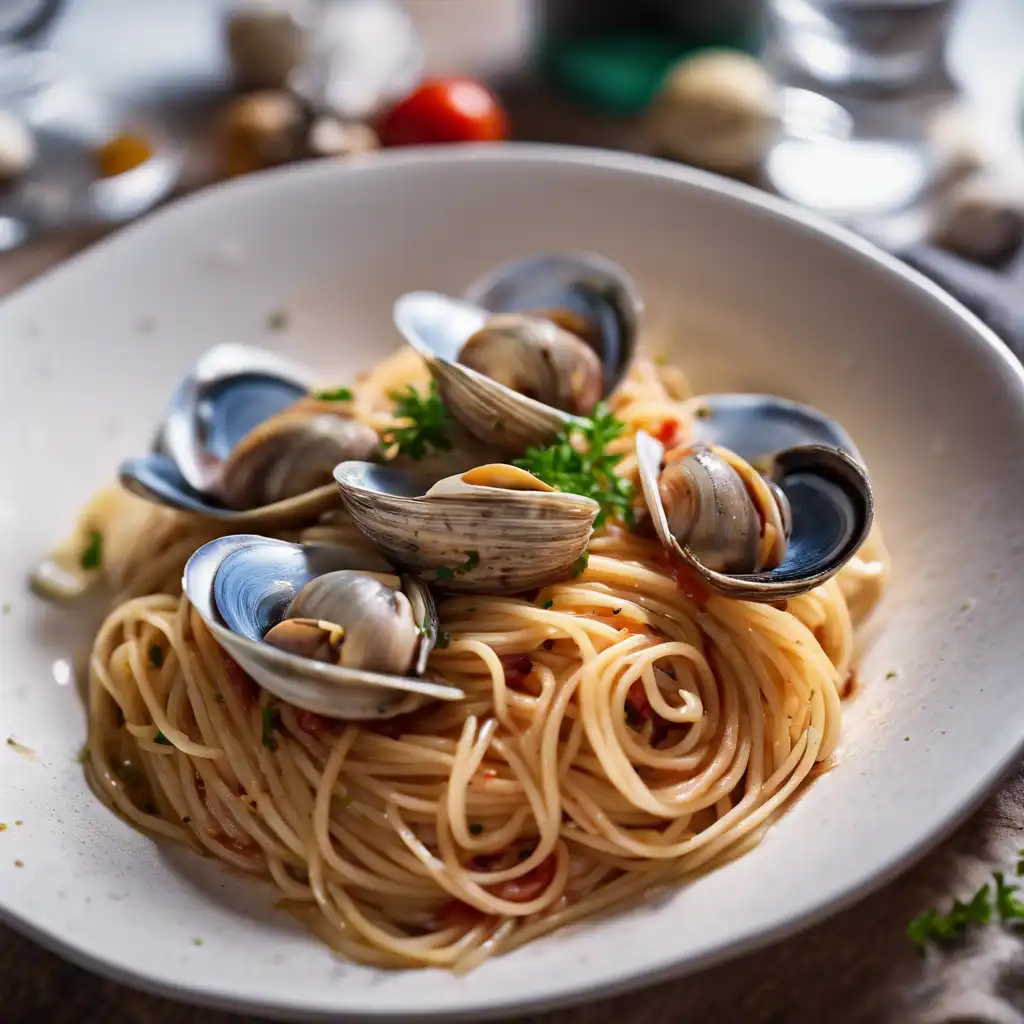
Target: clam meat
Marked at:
244, 441
326, 628
765, 533
542, 341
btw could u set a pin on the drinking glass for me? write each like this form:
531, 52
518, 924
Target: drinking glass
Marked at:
880, 64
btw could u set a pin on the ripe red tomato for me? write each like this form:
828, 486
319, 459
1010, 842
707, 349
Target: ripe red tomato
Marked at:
445, 110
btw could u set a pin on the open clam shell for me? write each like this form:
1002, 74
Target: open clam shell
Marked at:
583, 285
242, 585
754, 425
588, 295
494, 529
830, 510
197, 464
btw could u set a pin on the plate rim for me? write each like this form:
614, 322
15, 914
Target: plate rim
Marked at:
661, 968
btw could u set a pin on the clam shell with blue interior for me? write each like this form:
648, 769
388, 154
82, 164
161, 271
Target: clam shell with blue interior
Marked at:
241, 587
223, 401
809, 457
580, 286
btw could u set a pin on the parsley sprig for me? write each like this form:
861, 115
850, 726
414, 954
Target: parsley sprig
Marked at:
997, 900
334, 395
578, 462
426, 431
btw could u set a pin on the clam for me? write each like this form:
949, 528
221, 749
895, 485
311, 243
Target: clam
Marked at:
535, 343
243, 441
764, 533
325, 628
493, 529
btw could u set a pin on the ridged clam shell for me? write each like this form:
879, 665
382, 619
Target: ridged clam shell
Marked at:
508, 540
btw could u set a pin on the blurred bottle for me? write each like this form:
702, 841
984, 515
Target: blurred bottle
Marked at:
613, 54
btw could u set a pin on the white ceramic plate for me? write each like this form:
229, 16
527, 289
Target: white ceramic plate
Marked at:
749, 295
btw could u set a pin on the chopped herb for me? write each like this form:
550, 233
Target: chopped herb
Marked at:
277, 319
156, 656
1000, 903
163, 740
702, 412
83, 753
271, 720
579, 567
19, 863
443, 639
428, 423
18, 821
334, 395
615, 611
891, 674
197, 942
475, 829
92, 556
547, 604
443, 572
1008, 906
578, 462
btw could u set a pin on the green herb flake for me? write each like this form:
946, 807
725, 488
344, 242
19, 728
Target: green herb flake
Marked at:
83, 754
891, 674
163, 740
277, 319
443, 640
475, 829
156, 656
931, 926
443, 572
427, 426
1008, 905
578, 462
547, 604
702, 412
334, 395
579, 567
197, 942
92, 556
271, 721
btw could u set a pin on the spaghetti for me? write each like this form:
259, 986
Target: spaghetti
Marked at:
620, 731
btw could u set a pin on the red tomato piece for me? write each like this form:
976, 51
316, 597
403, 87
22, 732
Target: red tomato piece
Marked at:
517, 667
638, 707
667, 433
454, 109
310, 721
530, 886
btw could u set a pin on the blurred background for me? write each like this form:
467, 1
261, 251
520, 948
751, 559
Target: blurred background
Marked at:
903, 119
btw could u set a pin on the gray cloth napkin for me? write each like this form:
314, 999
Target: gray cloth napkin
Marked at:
994, 295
